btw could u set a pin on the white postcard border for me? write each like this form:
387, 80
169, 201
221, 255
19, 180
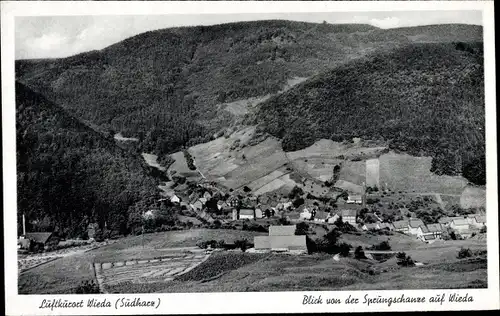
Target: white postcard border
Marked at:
204, 303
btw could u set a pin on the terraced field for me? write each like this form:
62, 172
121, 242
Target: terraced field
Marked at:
141, 271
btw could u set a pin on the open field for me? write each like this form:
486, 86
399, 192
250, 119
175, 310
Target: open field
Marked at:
236, 271
372, 172
235, 162
152, 161
318, 272
180, 167
64, 274
162, 269
403, 172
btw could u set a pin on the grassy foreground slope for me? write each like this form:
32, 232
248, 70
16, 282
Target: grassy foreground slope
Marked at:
163, 86
424, 99
69, 175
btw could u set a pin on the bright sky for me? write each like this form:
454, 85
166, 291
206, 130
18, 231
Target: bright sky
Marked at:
62, 36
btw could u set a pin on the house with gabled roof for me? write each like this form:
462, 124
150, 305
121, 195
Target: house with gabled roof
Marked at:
388, 226
47, 239
281, 239
476, 220
429, 238
244, 213
436, 229
349, 216
175, 199
415, 226
259, 213
401, 226
287, 205
207, 195
197, 206
371, 226
445, 220
354, 199
459, 224
332, 217
284, 230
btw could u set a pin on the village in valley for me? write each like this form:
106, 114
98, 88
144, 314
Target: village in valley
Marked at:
380, 227
165, 163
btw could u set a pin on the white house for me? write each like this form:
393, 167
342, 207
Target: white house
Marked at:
207, 195
287, 205
477, 221
415, 226
354, 199
332, 218
349, 216
401, 226
436, 230
281, 239
460, 224
371, 226
247, 214
305, 214
196, 205
175, 199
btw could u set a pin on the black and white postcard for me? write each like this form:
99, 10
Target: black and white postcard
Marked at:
251, 157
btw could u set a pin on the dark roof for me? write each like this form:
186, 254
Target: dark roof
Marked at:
286, 230
444, 220
400, 224
246, 211
460, 221
429, 237
415, 223
349, 212
435, 227
39, 237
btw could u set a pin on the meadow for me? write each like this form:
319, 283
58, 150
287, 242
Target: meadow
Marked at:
64, 274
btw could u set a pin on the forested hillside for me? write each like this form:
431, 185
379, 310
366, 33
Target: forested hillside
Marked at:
163, 86
424, 99
69, 175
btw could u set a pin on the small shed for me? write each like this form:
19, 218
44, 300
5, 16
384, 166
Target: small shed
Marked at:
48, 240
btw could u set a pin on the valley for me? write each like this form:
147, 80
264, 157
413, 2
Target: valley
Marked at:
175, 155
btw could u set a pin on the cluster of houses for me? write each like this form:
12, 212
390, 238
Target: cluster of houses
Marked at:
465, 226
348, 214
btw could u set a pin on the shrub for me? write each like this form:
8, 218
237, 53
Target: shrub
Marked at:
298, 202
242, 244
301, 228
384, 245
464, 253
88, 288
189, 160
344, 249
246, 189
312, 245
296, 191
404, 260
483, 230
359, 253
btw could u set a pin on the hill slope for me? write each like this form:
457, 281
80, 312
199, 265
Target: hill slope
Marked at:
69, 175
425, 99
164, 86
